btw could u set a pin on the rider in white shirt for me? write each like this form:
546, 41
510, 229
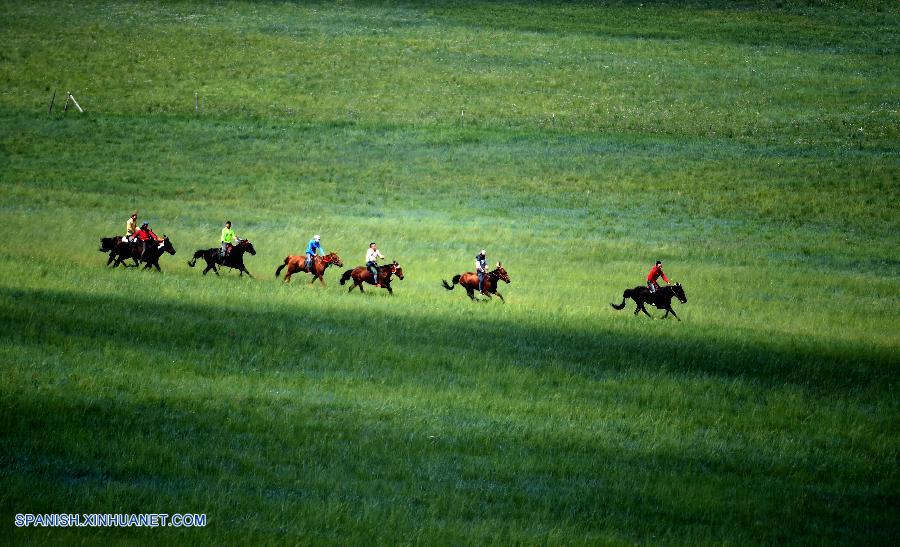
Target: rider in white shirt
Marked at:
372, 256
481, 270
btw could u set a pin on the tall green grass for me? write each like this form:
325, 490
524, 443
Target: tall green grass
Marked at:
753, 148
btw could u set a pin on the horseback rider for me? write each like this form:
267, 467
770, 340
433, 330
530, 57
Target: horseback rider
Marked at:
144, 236
372, 256
228, 240
481, 270
130, 228
312, 248
655, 273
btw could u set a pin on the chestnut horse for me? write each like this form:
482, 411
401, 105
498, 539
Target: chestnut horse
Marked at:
662, 299
469, 281
361, 275
297, 263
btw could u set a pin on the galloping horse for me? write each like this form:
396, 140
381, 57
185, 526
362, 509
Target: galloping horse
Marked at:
107, 244
469, 281
361, 275
297, 263
662, 299
124, 251
234, 259
114, 246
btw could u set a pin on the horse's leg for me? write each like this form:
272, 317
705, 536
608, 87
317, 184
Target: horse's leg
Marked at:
390, 290
157, 267
643, 309
250, 275
501, 296
471, 292
673, 313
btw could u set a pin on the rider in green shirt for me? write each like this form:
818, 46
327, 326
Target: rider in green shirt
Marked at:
228, 239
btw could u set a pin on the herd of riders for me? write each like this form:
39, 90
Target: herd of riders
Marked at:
142, 237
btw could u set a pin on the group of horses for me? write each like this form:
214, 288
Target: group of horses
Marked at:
121, 251
360, 274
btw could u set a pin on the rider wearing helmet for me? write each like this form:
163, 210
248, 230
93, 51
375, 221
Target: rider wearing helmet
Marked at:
655, 273
481, 269
314, 246
372, 256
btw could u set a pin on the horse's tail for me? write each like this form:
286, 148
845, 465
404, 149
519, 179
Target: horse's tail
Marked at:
346, 276
193, 261
625, 296
448, 286
278, 271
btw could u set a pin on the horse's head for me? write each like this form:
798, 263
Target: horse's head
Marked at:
679, 292
167, 245
501, 273
333, 258
397, 270
109, 243
247, 246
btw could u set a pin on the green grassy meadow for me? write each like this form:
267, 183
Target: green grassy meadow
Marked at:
753, 147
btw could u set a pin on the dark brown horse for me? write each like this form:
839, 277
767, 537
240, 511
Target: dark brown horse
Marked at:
297, 263
469, 281
234, 259
361, 275
115, 246
124, 251
662, 299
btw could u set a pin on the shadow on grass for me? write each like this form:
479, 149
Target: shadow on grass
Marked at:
225, 339
753, 23
335, 471
329, 467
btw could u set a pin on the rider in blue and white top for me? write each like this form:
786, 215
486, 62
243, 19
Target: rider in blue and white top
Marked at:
481, 269
311, 249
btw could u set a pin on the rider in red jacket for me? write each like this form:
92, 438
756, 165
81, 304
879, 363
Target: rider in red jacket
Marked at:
145, 235
655, 273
